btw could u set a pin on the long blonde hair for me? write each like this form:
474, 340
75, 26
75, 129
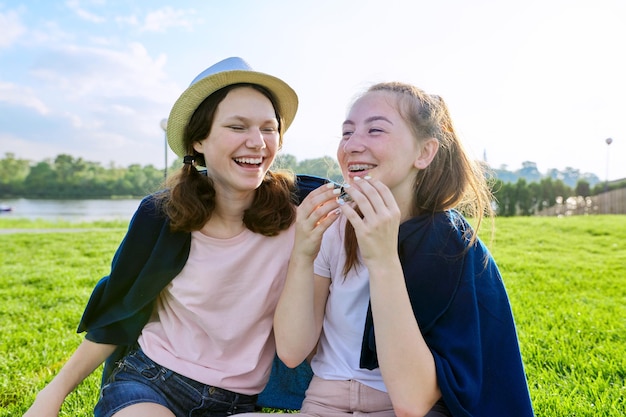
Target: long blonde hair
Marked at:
452, 180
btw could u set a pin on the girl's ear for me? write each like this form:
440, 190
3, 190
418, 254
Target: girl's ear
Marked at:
197, 146
428, 152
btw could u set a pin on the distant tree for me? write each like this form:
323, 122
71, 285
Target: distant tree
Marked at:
504, 175
41, 180
523, 197
571, 176
142, 180
505, 198
326, 167
551, 189
529, 172
536, 197
285, 161
583, 188
608, 186
13, 171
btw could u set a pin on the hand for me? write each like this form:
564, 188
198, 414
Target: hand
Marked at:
377, 230
313, 217
46, 405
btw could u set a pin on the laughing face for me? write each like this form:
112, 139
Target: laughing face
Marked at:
243, 141
377, 141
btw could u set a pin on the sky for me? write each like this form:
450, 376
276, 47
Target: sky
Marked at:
542, 81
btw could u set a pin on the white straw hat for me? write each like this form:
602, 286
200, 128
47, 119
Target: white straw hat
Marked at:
230, 71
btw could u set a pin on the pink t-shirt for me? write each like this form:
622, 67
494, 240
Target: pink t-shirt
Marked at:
213, 322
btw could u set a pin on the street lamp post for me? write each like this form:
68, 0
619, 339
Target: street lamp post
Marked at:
164, 127
608, 143
606, 183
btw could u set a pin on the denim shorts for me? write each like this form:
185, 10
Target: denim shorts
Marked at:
138, 379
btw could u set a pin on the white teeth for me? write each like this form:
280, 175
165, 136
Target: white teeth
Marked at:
252, 161
361, 167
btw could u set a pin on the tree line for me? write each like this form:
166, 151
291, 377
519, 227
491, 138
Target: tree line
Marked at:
68, 177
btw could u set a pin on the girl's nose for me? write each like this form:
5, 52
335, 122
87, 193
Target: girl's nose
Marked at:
255, 139
354, 143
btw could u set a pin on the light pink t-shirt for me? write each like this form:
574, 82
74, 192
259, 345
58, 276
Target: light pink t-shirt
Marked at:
213, 322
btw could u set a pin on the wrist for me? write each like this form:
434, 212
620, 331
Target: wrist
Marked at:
384, 268
52, 396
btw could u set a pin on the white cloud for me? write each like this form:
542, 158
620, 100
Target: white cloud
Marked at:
167, 17
12, 28
162, 19
22, 96
95, 73
25, 149
129, 20
124, 110
48, 33
74, 5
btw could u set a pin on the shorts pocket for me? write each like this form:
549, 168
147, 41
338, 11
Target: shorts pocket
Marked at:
138, 362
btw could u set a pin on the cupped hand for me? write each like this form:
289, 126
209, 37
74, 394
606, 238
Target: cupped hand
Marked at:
377, 229
313, 217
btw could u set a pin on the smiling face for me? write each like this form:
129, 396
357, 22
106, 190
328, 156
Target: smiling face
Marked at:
242, 142
377, 141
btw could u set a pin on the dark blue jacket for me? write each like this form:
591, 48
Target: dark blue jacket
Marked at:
463, 311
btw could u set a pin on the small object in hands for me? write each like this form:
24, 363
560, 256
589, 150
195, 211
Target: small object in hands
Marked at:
344, 197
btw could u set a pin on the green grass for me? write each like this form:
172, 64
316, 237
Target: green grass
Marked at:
566, 278
19, 223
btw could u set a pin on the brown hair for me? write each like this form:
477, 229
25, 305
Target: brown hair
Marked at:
451, 180
190, 199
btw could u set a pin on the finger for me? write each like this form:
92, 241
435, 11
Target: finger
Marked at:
383, 192
325, 222
365, 196
324, 211
323, 214
351, 214
317, 198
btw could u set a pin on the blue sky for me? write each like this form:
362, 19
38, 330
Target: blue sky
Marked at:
534, 80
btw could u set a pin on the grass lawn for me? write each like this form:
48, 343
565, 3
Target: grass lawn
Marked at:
566, 278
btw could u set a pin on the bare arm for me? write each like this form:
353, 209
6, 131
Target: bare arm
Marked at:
300, 310
87, 357
406, 363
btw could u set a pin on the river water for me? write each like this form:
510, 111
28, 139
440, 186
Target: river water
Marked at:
70, 210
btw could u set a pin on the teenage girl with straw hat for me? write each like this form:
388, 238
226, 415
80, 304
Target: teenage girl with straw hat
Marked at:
184, 319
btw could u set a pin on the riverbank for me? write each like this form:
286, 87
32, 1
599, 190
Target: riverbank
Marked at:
74, 211
54, 230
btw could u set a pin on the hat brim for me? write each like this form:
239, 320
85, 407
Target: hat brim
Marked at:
286, 101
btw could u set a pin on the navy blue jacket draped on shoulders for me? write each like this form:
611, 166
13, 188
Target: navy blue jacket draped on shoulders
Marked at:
461, 306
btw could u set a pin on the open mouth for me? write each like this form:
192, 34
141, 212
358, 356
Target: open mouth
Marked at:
360, 167
249, 162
